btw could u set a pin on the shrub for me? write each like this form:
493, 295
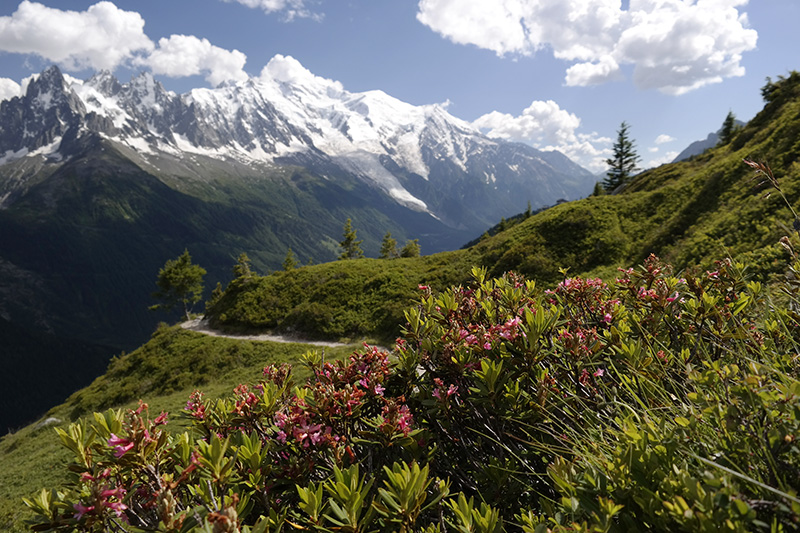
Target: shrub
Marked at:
647, 402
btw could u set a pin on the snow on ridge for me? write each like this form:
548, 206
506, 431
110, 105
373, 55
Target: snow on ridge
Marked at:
11, 155
367, 165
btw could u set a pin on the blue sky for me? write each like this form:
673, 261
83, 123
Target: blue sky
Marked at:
554, 73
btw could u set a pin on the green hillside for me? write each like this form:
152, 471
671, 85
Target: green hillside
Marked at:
669, 361
688, 213
163, 371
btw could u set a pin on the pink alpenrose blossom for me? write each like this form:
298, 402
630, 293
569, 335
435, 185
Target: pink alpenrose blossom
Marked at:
121, 445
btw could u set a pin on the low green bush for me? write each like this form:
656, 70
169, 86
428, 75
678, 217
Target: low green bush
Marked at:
650, 402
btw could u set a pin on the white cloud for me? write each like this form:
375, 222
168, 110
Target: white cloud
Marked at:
287, 69
653, 149
664, 138
187, 55
291, 9
101, 37
541, 122
9, 89
546, 126
668, 157
674, 45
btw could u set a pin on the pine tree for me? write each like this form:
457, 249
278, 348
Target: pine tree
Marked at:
179, 282
351, 248
290, 261
411, 249
216, 296
388, 247
623, 164
728, 130
242, 269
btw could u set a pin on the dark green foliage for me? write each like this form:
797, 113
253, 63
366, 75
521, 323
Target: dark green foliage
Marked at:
650, 403
180, 283
388, 247
290, 262
343, 299
411, 249
351, 247
622, 165
728, 130
243, 269
174, 360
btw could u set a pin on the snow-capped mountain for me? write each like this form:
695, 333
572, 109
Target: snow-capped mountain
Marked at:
422, 157
102, 182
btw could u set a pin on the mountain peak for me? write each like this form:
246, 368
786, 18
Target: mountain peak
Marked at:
105, 83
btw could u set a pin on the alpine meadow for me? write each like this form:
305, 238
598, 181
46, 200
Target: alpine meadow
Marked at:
643, 377
400, 267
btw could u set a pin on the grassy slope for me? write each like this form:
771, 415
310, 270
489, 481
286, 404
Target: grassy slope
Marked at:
689, 213
164, 371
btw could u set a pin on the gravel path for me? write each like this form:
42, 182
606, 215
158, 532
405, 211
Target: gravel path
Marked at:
201, 326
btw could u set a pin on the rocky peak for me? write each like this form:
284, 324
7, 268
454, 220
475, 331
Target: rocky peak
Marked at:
105, 83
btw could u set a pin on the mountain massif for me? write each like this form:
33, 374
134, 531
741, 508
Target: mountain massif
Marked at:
101, 182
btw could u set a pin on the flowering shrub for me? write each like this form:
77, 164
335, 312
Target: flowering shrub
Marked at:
650, 402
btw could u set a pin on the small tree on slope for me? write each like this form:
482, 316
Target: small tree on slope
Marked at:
351, 248
622, 166
179, 282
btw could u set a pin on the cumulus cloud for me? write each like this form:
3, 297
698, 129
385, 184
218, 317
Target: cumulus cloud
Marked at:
9, 89
668, 157
101, 37
286, 69
664, 138
291, 9
674, 45
187, 55
548, 127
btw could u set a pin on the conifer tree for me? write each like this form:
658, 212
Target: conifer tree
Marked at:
622, 165
290, 262
728, 130
216, 296
351, 248
388, 247
411, 249
243, 267
179, 282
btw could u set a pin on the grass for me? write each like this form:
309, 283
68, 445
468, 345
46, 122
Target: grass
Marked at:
163, 372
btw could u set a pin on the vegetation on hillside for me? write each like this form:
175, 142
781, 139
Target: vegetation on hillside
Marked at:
650, 402
686, 213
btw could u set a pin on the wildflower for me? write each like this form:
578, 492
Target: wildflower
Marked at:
82, 510
121, 446
160, 419
599, 373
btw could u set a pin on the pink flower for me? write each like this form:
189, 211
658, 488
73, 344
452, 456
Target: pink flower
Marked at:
673, 297
608, 318
117, 506
82, 510
160, 419
599, 373
121, 446
379, 390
